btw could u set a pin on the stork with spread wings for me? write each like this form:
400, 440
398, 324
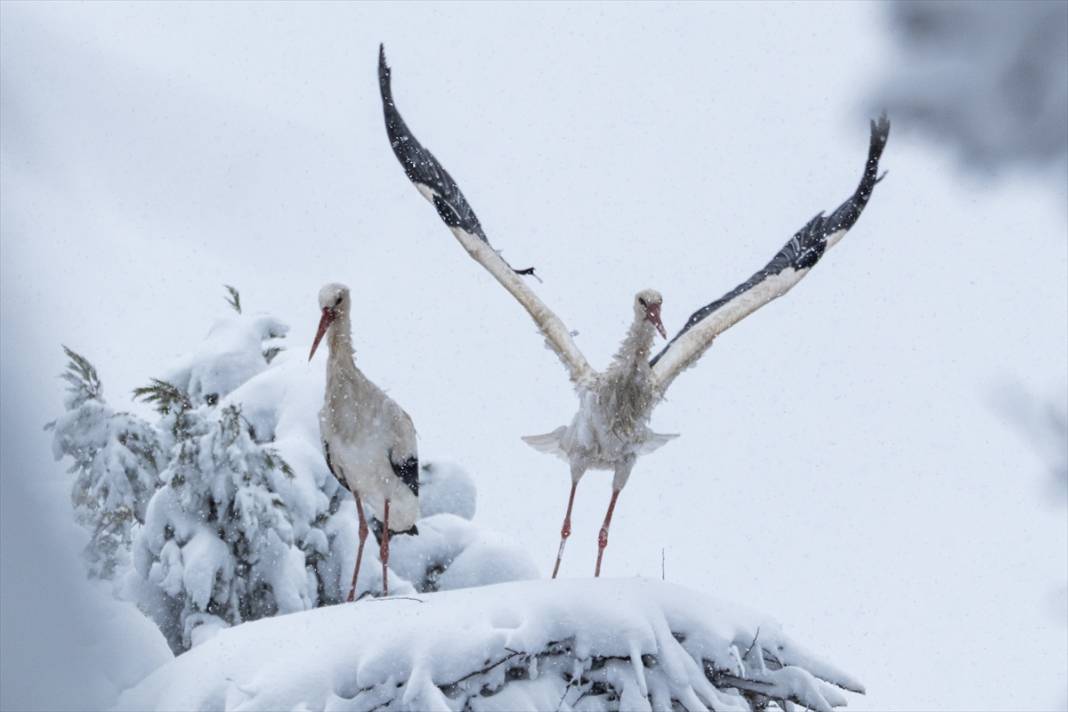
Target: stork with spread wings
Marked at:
610, 429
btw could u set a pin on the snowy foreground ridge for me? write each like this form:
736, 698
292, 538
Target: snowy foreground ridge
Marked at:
597, 644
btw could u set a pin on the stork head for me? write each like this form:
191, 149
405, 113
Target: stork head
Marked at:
647, 306
333, 301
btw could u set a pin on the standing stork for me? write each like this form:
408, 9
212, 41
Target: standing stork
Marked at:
610, 429
368, 440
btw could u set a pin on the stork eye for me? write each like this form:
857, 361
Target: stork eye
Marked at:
642, 302
337, 302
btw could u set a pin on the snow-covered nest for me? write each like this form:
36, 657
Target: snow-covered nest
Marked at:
597, 644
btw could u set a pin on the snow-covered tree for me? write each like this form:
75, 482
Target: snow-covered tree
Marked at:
218, 544
232, 514
116, 461
990, 78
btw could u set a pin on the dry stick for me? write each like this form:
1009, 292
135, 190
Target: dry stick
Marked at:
488, 667
746, 655
395, 598
567, 689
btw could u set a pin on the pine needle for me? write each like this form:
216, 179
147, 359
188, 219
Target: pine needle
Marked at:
234, 299
163, 396
83, 383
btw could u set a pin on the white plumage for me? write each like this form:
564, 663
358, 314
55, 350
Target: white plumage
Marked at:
368, 440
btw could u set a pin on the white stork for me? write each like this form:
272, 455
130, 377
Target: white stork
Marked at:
368, 440
610, 429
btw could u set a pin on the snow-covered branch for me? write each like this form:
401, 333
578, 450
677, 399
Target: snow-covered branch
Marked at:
116, 459
604, 644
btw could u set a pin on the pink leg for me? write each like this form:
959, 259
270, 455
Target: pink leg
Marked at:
359, 548
602, 539
383, 552
565, 530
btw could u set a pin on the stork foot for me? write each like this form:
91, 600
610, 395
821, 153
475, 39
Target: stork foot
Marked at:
602, 543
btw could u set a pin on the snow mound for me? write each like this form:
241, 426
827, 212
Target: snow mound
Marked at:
445, 487
451, 552
597, 644
236, 348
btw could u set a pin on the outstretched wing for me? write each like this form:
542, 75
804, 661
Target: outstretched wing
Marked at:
437, 186
785, 270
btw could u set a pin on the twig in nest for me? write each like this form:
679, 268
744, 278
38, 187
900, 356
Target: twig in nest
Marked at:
746, 655
396, 598
486, 669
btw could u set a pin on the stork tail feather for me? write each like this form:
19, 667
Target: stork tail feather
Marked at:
549, 443
376, 530
655, 441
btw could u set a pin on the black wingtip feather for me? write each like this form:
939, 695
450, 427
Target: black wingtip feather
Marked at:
384, 75
808, 244
848, 212
880, 133
422, 168
813, 235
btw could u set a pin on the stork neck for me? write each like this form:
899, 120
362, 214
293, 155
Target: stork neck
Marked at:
638, 343
340, 336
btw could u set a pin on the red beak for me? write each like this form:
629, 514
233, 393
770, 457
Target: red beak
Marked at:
652, 314
324, 324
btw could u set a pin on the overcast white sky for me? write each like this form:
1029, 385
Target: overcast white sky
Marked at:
841, 466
